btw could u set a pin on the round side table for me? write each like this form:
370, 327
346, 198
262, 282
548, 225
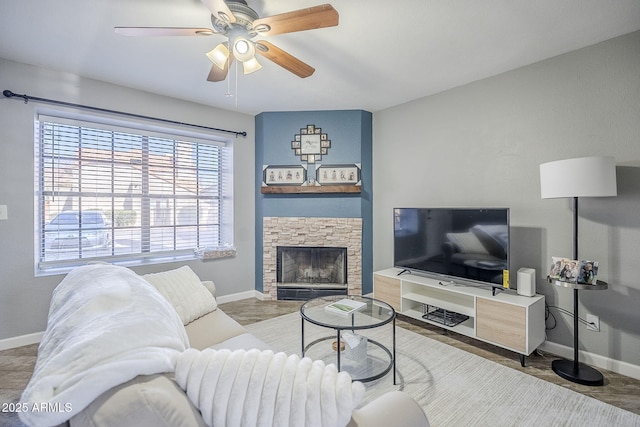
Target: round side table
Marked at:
575, 371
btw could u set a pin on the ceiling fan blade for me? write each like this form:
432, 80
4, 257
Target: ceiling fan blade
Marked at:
162, 31
219, 9
283, 59
299, 20
216, 74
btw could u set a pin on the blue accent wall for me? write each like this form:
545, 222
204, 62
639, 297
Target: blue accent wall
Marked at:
350, 133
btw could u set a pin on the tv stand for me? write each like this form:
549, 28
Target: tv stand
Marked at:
509, 321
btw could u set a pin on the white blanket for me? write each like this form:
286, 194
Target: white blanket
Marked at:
260, 388
106, 326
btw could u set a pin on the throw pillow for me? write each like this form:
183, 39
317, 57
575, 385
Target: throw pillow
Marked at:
184, 290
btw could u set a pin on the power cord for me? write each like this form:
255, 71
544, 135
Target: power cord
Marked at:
549, 315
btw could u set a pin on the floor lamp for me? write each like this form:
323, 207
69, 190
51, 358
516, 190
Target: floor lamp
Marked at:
579, 177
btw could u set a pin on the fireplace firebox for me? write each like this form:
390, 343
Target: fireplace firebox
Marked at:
308, 272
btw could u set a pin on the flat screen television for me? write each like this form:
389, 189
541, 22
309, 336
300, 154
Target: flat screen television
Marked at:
461, 245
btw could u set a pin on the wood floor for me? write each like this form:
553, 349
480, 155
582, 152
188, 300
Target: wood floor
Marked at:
16, 365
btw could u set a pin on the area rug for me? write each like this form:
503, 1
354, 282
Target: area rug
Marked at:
456, 388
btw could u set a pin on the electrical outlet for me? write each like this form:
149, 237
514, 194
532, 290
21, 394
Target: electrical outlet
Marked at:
593, 323
3, 212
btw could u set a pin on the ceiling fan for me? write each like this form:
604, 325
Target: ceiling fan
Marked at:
240, 24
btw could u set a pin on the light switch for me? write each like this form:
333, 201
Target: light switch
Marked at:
3, 212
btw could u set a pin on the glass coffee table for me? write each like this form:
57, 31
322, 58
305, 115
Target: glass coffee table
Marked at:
367, 361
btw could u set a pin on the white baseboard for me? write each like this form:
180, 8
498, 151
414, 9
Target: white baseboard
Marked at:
239, 296
596, 360
20, 341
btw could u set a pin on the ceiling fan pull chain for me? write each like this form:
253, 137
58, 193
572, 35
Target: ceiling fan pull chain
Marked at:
229, 63
236, 73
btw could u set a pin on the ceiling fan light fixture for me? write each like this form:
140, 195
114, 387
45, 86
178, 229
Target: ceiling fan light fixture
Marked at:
219, 55
243, 49
239, 24
242, 46
250, 66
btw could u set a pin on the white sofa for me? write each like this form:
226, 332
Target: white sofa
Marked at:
158, 400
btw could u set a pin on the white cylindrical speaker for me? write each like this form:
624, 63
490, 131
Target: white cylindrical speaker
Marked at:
526, 284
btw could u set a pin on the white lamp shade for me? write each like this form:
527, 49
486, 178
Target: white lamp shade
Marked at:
580, 177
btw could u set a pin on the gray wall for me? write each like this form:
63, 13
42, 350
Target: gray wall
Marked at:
24, 299
481, 145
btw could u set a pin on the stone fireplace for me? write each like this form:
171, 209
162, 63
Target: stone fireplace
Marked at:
304, 272
321, 268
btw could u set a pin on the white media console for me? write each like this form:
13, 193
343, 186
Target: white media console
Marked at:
507, 320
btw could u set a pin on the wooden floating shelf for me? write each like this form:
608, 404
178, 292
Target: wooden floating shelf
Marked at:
312, 189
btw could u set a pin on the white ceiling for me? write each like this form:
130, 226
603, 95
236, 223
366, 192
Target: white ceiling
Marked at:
383, 53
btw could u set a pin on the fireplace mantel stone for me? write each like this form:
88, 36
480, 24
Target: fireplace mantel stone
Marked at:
311, 231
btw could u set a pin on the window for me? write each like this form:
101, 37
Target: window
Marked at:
117, 192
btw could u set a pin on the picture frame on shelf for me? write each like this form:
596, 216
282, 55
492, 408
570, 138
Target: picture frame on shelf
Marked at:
348, 174
281, 175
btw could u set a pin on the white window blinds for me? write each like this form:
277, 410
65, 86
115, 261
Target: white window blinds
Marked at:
116, 193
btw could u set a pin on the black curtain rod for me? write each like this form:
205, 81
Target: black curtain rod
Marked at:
28, 98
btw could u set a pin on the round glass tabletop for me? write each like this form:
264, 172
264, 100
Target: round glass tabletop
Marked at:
371, 313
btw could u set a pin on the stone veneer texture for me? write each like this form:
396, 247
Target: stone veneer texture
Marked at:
320, 232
